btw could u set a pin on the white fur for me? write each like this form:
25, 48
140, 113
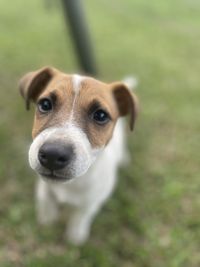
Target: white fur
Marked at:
131, 82
76, 82
85, 194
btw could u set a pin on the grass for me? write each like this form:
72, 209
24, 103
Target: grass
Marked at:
152, 219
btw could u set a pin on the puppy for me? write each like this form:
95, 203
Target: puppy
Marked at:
78, 143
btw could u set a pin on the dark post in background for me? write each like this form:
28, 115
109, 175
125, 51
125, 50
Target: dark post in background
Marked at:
75, 17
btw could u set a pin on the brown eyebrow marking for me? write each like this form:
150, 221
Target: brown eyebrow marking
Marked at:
96, 104
53, 96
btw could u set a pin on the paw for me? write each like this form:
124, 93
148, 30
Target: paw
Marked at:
77, 236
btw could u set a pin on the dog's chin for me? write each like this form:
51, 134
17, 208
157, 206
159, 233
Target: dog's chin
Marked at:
59, 176
55, 178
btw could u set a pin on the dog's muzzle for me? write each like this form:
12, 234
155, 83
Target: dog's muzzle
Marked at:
61, 154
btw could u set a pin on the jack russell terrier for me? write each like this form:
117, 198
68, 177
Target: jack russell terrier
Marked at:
78, 143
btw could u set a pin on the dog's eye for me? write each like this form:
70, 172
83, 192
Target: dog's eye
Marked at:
100, 116
45, 105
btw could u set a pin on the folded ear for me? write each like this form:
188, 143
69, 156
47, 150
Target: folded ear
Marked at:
33, 83
127, 102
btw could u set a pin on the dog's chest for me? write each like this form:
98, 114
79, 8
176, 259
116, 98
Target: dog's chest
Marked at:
86, 189
73, 194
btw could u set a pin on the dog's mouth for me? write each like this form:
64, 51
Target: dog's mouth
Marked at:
54, 177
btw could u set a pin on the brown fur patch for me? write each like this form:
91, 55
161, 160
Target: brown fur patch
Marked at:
91, 92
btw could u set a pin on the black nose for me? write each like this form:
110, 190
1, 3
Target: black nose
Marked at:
55, 156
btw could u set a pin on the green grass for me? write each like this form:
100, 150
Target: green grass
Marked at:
153, 217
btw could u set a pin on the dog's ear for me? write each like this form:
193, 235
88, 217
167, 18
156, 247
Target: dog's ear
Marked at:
33, 83
126, 100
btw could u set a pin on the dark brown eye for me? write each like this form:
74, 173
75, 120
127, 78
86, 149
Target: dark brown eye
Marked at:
100, 116
45, 105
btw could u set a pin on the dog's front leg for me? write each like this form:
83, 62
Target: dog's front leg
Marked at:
78, 228
47, 209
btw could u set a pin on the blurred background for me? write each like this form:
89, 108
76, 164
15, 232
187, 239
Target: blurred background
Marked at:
153, 217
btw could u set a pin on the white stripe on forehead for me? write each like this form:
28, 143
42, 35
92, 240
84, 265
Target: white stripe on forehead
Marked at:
76, 86
76, 82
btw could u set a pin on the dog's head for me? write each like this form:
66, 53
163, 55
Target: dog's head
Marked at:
74, 120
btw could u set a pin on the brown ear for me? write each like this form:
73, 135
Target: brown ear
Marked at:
33, 83
127, 102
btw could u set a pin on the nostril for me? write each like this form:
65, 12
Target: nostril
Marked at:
42, 155
62, 159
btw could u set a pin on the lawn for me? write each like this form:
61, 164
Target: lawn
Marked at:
153, 217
